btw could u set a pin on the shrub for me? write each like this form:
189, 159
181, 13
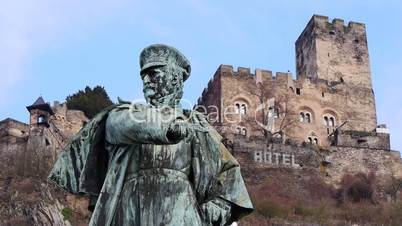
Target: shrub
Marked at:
67, 213
302, 210
358, 187
271, 209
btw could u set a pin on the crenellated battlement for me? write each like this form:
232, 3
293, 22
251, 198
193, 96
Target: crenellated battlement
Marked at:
338, 24
322, 25
259, 74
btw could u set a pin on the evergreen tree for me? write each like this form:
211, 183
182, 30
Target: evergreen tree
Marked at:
90, 101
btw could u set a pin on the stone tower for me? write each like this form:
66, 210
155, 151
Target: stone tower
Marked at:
338, 54
40, 112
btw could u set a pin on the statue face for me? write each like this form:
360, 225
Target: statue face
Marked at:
162, 85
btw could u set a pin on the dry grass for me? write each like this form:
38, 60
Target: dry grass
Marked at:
314, 202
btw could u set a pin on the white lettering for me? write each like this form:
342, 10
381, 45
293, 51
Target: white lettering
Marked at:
275, 158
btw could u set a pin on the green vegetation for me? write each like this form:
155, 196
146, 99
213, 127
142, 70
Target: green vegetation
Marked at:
67, 213
90, 101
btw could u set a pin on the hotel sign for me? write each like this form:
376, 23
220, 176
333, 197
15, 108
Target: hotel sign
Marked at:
275, 158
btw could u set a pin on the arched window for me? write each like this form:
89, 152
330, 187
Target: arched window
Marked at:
332, 121
315, 140
241, 130
301, 117
308, 118
237, 108
329, 121
326, 122
310, 140
291, 90
243, 109
305, 117
41, 119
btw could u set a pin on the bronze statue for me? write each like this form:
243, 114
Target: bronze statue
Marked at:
154, 164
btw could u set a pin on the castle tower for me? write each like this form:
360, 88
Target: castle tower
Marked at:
39, 112
339, 54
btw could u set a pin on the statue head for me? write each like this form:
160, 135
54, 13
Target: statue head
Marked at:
163, 71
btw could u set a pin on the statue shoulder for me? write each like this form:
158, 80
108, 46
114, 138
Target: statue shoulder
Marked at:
129, 106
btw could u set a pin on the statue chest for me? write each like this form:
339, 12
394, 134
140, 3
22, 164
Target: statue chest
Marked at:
150, 156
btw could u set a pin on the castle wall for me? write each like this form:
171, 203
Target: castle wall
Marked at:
333, 87
256, 157
30, 150
339, 54
67, 122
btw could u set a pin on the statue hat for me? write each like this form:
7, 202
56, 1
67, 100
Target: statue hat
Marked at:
161, 55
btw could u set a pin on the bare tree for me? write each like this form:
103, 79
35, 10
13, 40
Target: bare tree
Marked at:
278, 109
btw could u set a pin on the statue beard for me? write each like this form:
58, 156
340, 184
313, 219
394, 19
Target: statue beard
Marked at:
167, 92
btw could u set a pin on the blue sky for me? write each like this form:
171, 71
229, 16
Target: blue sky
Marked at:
55, 48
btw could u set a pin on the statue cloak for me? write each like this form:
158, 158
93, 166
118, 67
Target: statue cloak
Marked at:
84, 167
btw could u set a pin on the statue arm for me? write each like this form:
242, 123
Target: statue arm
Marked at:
139, 124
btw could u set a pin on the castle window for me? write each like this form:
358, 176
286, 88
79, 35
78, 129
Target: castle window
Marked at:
305, 117
41, 119
298, 91
331, 121
237, 107
312, 140
326, 121
240, 108
241, 130
322, 94
243, 109
47, 142
308, 118
301, 117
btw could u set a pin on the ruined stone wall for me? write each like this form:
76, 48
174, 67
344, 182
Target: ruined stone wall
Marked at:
256, 156
68, 122
13, 128
370, 140
349, 160
30, 150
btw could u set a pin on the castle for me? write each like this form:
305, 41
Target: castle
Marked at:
31, 149
330, 103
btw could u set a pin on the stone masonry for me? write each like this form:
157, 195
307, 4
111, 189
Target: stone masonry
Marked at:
323, 122
332, 90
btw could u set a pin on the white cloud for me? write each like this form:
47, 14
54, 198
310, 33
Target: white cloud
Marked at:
28, 27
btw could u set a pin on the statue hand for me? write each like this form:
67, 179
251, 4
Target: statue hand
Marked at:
216, 212
179, 130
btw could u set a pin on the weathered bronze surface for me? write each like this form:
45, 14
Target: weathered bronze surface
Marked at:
154, 164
